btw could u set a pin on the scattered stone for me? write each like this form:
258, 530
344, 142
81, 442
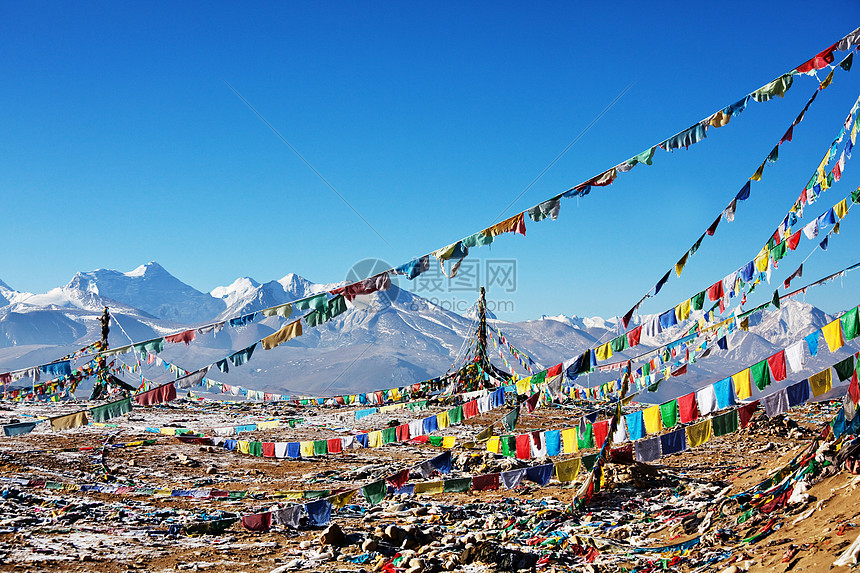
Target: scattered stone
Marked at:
333, 535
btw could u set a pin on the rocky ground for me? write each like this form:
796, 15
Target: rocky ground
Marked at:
628, 526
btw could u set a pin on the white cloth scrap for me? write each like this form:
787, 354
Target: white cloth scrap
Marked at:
794, 356
707, 400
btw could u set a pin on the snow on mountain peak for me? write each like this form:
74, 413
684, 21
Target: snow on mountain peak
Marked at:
138, 272
8, 295
149, 288
584, 323
294, 283
300, 286
239, 289
794, 319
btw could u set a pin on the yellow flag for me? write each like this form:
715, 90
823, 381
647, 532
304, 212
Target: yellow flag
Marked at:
604, 352
651, 416
341, 499
820, 383
305, 448
374, 440
288, 332
524, 385
682, 311
569, 441
762, 259
758, 172
698, 434
742, 384
429, 487
568, 470
679, 266
485, 434
833, 335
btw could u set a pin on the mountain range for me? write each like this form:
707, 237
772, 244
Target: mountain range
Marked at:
396, 338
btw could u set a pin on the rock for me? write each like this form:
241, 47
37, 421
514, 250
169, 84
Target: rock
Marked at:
369, 545
333, 535
502, 558
306, 544
395, 534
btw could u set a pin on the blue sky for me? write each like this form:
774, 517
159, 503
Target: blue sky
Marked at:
124, 144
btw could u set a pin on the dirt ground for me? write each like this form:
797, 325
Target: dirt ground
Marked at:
653, 505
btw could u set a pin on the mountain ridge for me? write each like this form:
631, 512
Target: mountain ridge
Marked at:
391, 338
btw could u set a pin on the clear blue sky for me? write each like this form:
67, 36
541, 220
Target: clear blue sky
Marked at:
123, 144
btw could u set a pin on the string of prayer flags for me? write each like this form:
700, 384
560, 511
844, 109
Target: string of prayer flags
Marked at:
717, 287
771, 253
773, 89
549, 208
726, 392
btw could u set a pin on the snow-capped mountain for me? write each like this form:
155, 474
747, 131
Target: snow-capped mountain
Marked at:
391, 338
149, 288
246, 295
585, 323
8, 295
